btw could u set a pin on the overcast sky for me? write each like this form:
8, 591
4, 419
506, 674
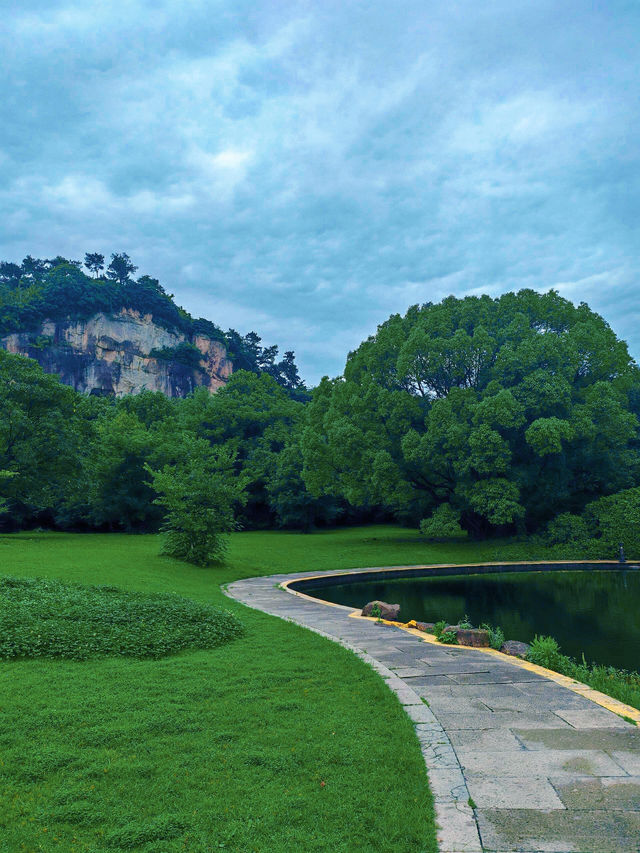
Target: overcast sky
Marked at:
305, 169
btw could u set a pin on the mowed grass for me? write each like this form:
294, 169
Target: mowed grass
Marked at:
277, 741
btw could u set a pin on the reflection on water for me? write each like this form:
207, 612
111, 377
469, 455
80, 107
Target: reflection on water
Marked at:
595, 612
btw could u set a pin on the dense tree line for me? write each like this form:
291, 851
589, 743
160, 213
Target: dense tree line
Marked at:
475, 416
56, 289
77, 461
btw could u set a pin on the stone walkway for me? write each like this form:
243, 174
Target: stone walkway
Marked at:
516, 762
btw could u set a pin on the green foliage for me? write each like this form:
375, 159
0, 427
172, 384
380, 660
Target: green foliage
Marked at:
510, 410
42, 434
545, 651
619, 683
496, 636
444, 523
448, 637
199, 495
439, 627
442, 636
615, 519
58, 290
46, 618
567, 528
184, 353
464, 622
376, 612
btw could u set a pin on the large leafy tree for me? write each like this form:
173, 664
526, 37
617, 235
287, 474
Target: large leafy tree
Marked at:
507, 410
41, 436
254, 417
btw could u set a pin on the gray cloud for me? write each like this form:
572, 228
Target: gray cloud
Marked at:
307, 169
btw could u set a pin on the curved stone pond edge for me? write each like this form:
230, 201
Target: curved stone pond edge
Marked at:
492, 789
440, 570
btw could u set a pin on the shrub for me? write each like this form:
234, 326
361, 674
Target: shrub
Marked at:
183, 353
47, 618
443, 524
566, 529
616, 519
619, 683
448, 637
496, 636
438, 628
545, 651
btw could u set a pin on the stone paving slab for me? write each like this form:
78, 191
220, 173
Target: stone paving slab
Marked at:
517, 763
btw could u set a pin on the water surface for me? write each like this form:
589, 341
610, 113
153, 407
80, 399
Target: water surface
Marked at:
595, 612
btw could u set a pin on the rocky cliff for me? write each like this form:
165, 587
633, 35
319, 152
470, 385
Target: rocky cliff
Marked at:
123, 354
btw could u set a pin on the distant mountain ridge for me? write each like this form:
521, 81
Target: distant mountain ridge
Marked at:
112, 334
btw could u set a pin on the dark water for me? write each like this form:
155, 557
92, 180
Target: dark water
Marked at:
595, 612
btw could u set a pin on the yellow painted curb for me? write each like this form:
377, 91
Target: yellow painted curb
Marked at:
608, 702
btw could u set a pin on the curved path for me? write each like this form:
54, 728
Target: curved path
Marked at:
517, 762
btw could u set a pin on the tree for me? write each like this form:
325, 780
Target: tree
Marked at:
33, 269
41, 436
288, 371
121, 268
509, 410
10, 274
59, 261
199, 495
94, 262
253, 415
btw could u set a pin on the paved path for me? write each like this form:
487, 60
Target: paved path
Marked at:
515, 761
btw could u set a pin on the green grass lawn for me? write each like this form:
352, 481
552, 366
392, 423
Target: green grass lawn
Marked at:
278, 741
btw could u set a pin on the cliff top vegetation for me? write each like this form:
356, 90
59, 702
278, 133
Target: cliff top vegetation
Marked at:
57, 289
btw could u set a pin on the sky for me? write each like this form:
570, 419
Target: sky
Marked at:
306, 169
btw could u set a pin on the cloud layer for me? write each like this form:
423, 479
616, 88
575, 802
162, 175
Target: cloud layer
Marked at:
306, 169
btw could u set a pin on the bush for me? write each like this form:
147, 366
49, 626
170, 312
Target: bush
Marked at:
566, 529
496, 636
545, 651
183, 353
615, 519
619, 683
443, 524
47, 618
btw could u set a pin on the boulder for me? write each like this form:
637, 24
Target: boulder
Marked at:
477, 637
427, 627
390, 612
515, 648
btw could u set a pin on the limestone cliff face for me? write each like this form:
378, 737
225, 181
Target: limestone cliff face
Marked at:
110, 355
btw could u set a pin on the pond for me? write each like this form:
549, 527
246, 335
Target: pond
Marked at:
595, 612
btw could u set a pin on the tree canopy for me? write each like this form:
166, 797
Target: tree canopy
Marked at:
508, 411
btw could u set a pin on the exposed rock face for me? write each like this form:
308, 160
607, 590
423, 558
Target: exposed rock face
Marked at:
477, 637
390, 612
110, 355
427, 627
516, 648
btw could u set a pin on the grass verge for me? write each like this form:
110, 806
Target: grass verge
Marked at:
277, 741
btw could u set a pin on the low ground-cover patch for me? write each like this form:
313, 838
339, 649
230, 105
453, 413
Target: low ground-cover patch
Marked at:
41, 617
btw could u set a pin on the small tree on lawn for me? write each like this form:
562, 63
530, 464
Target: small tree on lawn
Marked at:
199, 495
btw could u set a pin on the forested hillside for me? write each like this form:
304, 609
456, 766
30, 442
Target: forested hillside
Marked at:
474, 417
58, 290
